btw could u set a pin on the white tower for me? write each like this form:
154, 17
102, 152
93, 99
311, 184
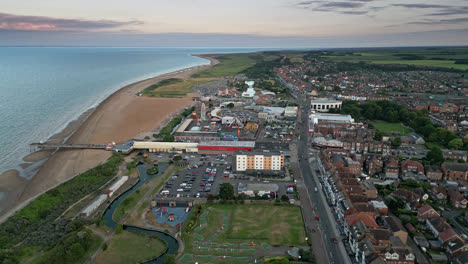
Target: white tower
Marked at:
203, 112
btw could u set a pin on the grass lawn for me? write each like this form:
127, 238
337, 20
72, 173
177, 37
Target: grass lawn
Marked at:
278, 225
129, 202
179, 88
388, 128
265, 225
128, 247
229, 64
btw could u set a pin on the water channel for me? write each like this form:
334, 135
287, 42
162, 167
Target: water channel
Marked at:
172, 243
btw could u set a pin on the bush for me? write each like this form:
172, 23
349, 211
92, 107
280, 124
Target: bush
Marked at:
119, 229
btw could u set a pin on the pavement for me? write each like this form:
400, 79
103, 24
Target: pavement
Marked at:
326, 225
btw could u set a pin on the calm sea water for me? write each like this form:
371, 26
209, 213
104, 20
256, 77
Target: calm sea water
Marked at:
42, 89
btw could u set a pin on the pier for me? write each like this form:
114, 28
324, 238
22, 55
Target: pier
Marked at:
68, 146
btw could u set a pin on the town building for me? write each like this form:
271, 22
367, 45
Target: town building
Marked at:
324, 105
224, 147
454, 171
259, 161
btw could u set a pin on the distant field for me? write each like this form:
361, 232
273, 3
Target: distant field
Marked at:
175, 89
388, 128
229, 64
128, 247
431, 63
433, 57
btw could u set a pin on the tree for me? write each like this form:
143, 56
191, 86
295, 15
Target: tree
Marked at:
456, 143
396, 142
226, 191
230, 105
378, 136
169, 259
168, 138
434, 156
284, 198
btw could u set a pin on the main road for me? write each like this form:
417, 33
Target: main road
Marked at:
327, 223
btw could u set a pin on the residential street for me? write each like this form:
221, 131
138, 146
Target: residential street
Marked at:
326, 223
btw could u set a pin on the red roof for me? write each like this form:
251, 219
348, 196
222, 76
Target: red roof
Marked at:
447, 235
425, 209
366, 219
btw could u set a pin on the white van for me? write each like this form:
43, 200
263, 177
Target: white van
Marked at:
166, 192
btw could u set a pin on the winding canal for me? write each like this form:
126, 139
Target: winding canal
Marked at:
172, 243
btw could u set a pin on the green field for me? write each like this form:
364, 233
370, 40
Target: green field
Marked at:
388, 128
128, 247
430, 63
431, 57
229, 230
174, 89
229, 64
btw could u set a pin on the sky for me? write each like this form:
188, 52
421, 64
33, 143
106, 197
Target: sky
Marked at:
239, 23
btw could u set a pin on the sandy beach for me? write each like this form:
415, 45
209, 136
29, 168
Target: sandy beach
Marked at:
120, 117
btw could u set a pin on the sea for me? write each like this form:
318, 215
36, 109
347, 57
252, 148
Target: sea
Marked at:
42, 89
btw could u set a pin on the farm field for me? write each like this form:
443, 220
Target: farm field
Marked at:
431, 57
388, 128
142, 248
229, 64
239, 234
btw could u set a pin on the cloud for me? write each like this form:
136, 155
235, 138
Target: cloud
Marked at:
441, 21
351, 7
421, 6
42, 23
444, 10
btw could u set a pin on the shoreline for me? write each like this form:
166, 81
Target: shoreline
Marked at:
121, 115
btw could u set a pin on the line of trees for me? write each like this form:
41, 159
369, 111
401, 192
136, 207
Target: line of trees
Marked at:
417, 120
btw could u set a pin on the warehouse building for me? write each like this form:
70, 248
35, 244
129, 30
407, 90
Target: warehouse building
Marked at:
224, 147
172, 147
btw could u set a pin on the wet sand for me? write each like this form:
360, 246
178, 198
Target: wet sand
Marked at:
120, 117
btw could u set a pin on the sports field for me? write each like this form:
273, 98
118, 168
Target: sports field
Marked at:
388, 128
242, 233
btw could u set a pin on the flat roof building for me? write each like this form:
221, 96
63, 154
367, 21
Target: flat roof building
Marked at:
324, 105
259, 161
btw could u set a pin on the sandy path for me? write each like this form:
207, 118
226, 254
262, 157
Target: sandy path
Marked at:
120, 117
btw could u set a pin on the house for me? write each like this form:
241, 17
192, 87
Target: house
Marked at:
411, 169
427, 212
395, 226
434, 173
457, 199
442, 230
455, 155
407, 196
439, 192
413, 138
399, 255
456, 247
391, 168
454, 171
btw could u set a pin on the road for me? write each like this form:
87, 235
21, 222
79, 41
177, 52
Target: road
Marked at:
327, 223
